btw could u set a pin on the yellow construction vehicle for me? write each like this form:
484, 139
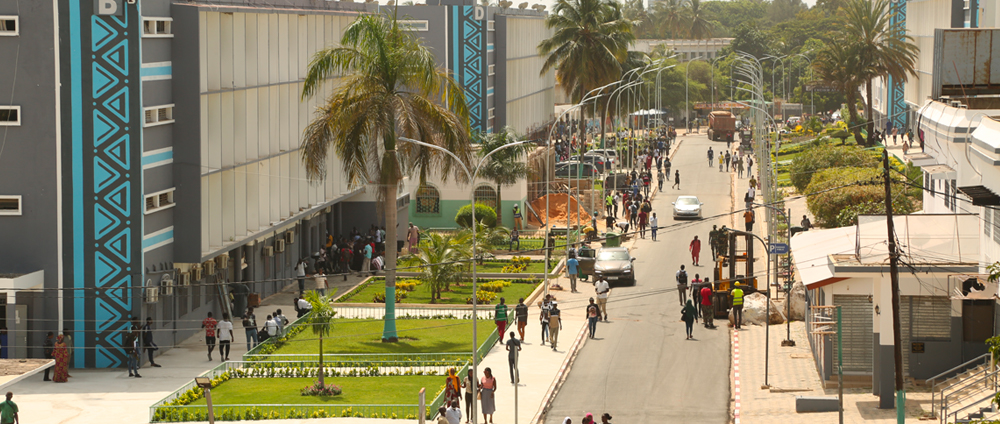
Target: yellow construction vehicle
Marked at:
735, 260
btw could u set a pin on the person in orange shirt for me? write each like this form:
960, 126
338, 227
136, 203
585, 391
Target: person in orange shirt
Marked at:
748, 219
695, 248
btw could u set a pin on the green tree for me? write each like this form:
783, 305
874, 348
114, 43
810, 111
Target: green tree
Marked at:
700, 25
588, 46
750, 38
883, 49
484, 214
670, 19
733, 14
440, 259
840, 194
837, 66
320, 320
821, 156
506, 167
390, 86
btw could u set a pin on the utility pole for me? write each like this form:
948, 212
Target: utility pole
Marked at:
897, 347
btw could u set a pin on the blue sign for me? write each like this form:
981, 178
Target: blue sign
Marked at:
778, 248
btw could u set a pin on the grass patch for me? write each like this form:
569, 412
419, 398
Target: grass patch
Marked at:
415, 336
497, 267
456, 296
394, 390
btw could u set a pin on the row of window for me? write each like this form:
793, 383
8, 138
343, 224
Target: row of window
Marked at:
10, 116
152, 27
422, 25
429, 198
11, 205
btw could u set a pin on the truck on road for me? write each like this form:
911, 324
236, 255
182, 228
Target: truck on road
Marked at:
721, 126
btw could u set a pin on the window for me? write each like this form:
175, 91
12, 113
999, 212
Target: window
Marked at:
10, 116
157, 27
930, 317
159, 115
493, 69
954, 197
428, 200
9, 26
929, 183
412, 25
492, 112
487, 196
996, 224
159, 201
491, 25
987, 221
10, 205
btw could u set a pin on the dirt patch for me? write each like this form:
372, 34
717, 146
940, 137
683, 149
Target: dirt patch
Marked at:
19, 366
558, 213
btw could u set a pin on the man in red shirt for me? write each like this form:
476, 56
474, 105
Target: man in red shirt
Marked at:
695, 248
706, 307
209, 325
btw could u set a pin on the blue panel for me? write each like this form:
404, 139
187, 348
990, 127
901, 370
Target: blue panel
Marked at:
471, 70
156, 71
159, 157
159, 238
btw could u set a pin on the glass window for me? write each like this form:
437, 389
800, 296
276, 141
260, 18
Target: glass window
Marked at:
487, 196
428, 200
613, 255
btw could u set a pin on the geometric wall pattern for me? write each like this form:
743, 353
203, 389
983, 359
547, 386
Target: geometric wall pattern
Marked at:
896, 110
469, 43
104, 170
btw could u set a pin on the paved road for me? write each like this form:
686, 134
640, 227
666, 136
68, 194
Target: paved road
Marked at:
640, 368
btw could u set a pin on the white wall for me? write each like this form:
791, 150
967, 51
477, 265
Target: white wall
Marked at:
530, 97
252, 121
922, 18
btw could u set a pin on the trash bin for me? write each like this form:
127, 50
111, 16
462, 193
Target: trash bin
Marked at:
612, 239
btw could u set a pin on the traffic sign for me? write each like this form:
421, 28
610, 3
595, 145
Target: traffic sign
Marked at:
778, 248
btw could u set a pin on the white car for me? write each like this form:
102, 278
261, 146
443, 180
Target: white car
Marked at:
687, 207
610, 154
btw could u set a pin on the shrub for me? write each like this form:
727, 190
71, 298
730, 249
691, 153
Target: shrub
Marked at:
484, 214
817, 158
483, 297
319, 389
494, 286
407, 285
841, 206
380, 297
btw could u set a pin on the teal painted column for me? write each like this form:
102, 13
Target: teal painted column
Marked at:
389, 330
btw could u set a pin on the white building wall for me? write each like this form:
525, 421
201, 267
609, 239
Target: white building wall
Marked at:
253, 65
922, 18
530, 97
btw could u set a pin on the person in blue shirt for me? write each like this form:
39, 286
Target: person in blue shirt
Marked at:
572, 267
367, 262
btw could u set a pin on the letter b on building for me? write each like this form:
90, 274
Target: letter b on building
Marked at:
107, 7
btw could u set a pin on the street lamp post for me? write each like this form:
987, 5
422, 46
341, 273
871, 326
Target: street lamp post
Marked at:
767, 315
687, 115
788, 304
472, 181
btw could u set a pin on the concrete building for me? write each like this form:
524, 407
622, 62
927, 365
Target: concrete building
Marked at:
686, 49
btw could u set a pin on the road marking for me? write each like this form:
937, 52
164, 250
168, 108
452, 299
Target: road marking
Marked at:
736, 377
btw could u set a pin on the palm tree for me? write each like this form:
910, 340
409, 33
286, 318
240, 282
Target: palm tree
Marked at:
503, 168
390, 86
590, 42
320, 319
884, 49
837, 65
700, 26
441, 260
670, 15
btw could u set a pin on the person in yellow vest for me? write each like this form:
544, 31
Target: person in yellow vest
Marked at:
609, 202
737, 294
517, 217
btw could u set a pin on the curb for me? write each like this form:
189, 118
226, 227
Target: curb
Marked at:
736, 376
550, 395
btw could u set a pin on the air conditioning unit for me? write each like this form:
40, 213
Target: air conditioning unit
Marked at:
279, 246
168, 287
196, 273
209, 267
222, 261
289, 237
184, 278
152, 294
268, 251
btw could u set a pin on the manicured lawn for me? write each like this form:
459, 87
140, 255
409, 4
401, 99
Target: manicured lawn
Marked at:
415, 336
457, 295
394, 390
497, 267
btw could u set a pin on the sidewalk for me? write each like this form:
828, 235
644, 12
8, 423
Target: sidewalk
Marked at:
792, 372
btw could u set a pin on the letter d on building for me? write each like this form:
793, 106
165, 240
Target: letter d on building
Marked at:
107, 7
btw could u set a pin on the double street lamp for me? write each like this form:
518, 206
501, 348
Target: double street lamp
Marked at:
472, 181
767, 315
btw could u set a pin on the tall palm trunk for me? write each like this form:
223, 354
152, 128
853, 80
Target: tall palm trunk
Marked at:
499, 207
390, 184
869, 114
852, 111
321, 383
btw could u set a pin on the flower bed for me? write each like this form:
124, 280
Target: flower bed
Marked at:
373, 291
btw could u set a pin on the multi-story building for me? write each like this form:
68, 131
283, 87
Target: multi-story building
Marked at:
149, 154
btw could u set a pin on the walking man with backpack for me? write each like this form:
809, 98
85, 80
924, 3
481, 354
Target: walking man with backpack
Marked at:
682, 281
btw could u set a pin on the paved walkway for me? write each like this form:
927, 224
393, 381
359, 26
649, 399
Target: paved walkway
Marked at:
792, 372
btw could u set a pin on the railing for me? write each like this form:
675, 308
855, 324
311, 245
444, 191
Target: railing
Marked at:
403, 312
278, 411
933, 381
988, 376
975, 404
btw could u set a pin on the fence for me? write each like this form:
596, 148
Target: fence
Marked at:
402, 312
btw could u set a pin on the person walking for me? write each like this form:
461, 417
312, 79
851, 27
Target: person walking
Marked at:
593, 315
688, 315
226, 337
708, 313
609, 202
728, 158
643, 219
454, 413
47, 348
270, 328
749, 166
131, 346
8, 410
555, 324
737, 296
682, 281
572, 267
720, 161
695, 248
61, 355
147, 341
250, 328
543, 317
696, 293
280, 321
659, 180
677, 179
300, 274
469, 384
521, 313
617, 201
487, 395
653, 225
739, 167
517, 217
209, 325
748, 219
513, 347
500, 318
413, 237
711, 156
